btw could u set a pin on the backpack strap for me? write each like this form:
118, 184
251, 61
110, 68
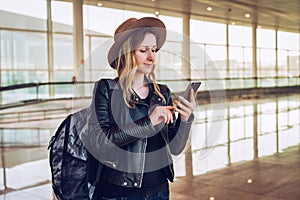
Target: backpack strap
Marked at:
64, 125
111, 84
99, 170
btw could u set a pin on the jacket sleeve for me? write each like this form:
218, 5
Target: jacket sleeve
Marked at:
178, 131
99, 121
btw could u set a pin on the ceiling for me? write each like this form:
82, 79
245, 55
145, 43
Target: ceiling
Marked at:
281, 14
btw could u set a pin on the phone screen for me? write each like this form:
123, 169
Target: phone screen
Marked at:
194, 86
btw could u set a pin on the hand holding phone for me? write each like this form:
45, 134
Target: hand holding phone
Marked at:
186, 109
187, 92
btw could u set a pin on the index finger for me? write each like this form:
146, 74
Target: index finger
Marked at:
171, 108
192, 95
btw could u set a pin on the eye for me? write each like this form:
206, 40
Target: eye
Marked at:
142, 50
145, 49
154, 49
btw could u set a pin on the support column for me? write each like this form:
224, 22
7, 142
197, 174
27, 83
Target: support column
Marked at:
1, 101
228, 136
228, 83
254, 53
186, 71
276, 57
186, 65
255, 131
78, 39
50, 49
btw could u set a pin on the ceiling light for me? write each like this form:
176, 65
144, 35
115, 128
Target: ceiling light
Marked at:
99, 4
153, 0
209, 8
156, 13
247, 15
232, 23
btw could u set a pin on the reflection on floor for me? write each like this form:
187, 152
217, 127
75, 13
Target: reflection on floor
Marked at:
275, 177
238, 150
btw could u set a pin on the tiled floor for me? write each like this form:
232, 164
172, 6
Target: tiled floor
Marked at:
274, 177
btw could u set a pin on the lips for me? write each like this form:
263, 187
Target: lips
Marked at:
148, 65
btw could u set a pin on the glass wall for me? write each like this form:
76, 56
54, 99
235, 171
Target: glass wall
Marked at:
62, 27
32, 51
266, 53
211, 39
289, 56
250, 129
23, 47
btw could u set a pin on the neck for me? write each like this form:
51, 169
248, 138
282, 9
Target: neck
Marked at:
138, 81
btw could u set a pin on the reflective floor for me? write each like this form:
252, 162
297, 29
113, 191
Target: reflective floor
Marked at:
238, 150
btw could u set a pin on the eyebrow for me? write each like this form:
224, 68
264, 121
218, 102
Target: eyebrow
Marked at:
147, 46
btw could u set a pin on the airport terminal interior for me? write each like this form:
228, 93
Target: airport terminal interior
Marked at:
245, 139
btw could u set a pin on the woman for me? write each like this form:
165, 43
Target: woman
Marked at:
136, 116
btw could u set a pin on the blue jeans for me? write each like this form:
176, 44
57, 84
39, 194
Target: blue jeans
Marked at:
164, 195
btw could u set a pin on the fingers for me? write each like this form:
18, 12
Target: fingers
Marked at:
185, 110
168, 114
162, 114
184, 107
192, 96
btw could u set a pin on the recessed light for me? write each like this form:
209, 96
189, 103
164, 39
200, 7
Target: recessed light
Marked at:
156, 13
99, 4
247, 15
209, 8
232, 23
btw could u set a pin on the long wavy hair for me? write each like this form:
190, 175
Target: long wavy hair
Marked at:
126, 65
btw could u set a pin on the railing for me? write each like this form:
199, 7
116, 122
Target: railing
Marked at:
22, 93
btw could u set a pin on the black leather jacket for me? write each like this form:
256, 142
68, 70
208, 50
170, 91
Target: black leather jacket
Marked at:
123, 148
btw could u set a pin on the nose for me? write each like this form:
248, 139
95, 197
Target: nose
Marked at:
151, 55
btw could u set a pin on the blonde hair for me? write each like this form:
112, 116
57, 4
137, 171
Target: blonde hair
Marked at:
126, 65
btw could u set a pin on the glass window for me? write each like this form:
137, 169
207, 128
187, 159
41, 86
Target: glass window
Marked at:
62, 16
240, 59
266, 38
240, 35
289, 54
207, 32
208, 52
293, 63
266, 53
21, 52
282, 62
104, 21
63, 52
266, 59
217, 61
12, 77
96, 64
29, 14
173, 24
288, 40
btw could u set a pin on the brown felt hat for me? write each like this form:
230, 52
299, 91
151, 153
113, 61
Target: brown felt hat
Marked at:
127, 27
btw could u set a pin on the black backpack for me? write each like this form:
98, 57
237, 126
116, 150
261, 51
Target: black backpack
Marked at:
68, 159
75, 172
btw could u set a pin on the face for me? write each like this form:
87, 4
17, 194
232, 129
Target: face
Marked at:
145, 54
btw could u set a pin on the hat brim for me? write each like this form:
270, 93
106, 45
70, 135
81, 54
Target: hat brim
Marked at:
157, 25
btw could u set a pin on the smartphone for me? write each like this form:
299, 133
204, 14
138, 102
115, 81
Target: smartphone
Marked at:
194, 86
